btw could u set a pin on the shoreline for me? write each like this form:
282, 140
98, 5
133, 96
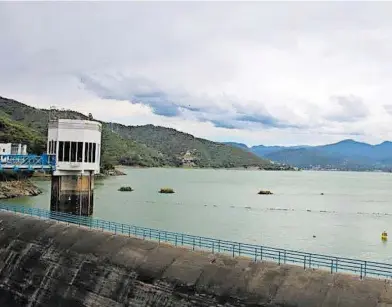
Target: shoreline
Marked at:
18, 188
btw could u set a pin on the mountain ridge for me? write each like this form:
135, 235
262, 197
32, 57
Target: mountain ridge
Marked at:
346, 154
147, 146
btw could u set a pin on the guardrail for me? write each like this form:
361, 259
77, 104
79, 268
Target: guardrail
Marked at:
256, 252
31, 162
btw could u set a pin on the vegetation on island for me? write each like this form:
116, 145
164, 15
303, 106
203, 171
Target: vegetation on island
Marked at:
166, 191
144, 146
265, 192
125, 189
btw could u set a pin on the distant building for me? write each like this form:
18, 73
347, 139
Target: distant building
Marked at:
13, 149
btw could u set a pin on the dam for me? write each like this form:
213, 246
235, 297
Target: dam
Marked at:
44, 262
65, 257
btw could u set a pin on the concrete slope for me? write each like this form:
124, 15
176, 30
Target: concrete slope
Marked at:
44, 263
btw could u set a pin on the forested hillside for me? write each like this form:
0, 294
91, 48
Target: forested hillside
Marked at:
148, 145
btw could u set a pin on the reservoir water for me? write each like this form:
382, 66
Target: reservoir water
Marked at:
347, 221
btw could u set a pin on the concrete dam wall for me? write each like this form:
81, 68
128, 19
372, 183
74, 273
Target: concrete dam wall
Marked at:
47, 263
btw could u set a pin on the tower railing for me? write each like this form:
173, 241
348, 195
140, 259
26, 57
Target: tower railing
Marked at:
361, 268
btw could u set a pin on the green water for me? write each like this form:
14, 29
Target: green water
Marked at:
347, 220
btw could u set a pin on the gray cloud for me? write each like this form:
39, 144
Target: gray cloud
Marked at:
350, 109
388, 108
188, 60
174, 104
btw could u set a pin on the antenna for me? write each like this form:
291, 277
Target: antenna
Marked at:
52, 112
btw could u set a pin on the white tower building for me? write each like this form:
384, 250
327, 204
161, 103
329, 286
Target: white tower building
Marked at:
77, 147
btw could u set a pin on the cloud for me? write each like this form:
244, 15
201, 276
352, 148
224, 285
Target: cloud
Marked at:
145, 92
388, 108
256, 72
349, 109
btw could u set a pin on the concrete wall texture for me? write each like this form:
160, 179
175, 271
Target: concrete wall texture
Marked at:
45, 263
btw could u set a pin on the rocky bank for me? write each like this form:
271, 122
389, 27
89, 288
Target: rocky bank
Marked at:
17, 188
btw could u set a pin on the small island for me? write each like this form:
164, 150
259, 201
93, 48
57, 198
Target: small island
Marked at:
265, 192
125, 189
166, 191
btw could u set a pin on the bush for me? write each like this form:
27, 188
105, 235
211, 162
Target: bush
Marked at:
265, 192
166, 190
125, 189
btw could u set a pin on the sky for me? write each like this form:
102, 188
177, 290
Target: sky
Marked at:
272, 73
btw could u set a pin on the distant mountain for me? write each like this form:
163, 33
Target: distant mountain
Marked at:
343, 155
262, 150
149, 146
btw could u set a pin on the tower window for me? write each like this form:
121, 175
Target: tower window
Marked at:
61, 151
73, 151
94, 152
67, 148
86, 152
80, 152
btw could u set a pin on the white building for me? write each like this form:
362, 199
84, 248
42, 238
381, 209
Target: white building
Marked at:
76, 144
13, 149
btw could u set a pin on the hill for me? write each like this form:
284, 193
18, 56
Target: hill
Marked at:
343, 155
148, 145
238, 145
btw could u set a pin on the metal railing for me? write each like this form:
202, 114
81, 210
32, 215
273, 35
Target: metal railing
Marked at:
31, 162
333, 264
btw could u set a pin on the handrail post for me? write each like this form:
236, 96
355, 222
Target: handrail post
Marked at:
255, 254
336, 268
233, 250
219, 246
193, 245
305, 262
176, 239
360, 275
279, 258
239, 249
365, 269
182, 239
159, 237
261, 253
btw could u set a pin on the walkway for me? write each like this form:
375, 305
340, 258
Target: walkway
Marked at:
333, 264
27, 162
